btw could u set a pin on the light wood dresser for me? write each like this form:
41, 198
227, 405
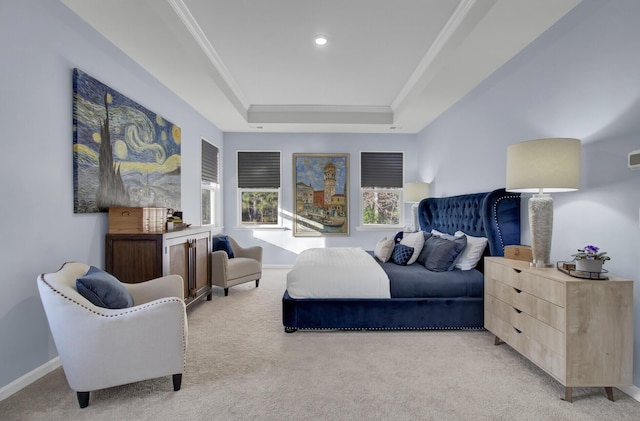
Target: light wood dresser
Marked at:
579, 331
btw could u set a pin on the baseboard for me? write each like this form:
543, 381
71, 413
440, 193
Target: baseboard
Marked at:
24, 381
633, 391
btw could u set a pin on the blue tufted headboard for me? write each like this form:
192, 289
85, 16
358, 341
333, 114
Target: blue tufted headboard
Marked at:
495, 215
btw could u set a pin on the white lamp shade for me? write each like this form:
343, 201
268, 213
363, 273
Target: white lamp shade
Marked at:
415, 192
547, 165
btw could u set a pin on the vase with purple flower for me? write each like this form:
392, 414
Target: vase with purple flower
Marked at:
590, 259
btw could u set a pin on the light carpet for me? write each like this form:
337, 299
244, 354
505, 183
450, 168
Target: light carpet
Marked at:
242, 366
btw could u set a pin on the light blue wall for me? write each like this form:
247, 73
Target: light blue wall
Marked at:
280, 247
41, 42
579, 79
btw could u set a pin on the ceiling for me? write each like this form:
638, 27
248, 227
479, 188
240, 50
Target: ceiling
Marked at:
390, 66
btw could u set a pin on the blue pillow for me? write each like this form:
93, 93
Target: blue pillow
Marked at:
221, 242
402, 254
441, 253
422, 257
103, 289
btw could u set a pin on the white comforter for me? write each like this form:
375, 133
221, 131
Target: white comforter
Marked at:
337, 272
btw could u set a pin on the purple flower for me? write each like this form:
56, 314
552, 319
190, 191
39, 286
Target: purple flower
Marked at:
591, 250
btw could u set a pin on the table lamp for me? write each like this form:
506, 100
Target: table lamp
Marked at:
414, 193
543, 166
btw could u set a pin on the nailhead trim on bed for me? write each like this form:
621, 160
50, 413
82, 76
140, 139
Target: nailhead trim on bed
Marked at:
495, 216
384, 328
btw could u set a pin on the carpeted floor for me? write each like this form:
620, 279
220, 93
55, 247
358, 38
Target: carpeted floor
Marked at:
242, 366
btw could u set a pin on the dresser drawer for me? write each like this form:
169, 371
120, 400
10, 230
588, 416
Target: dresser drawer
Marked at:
545, 358
545, 311
530, 282
529, 326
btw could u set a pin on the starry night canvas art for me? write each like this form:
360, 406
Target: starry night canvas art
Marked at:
124, 154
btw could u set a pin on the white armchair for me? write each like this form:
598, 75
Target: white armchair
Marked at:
100, 347
246, 266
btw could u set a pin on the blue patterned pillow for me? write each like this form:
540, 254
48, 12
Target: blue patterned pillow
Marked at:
103, 289
402, 254
221, 242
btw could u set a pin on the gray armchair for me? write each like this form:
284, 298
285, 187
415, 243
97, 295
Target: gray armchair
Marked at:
245, 266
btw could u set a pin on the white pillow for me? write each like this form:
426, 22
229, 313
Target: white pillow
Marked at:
383, 250
472, 253
415, 240
445, 235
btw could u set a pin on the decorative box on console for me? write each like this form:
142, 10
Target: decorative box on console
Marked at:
123, 220
518, 253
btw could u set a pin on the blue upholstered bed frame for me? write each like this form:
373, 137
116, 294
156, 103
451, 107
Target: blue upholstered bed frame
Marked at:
495, 215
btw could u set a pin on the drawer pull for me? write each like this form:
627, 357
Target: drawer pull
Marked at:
517, 290
517, 310
516, 270
517, 330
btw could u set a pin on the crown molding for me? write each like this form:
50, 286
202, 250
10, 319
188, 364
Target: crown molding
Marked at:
447, 33
199, 36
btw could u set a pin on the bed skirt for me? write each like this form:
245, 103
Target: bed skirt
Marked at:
382, 314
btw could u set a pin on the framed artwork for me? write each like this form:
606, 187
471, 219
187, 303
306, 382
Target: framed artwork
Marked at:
123, 154
321, 183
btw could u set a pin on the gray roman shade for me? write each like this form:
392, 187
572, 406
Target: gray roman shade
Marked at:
381, 169
258, 170
210, 157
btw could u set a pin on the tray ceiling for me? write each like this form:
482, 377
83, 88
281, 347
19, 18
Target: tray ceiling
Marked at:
389, 66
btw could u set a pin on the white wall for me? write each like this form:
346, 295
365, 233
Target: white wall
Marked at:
280, 247
579, 79
41, 42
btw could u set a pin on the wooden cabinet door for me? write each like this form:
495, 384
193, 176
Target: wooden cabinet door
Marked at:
188, 257
177, 261
134, 258
201, 262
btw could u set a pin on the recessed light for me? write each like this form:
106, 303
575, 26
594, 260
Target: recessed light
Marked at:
320, 40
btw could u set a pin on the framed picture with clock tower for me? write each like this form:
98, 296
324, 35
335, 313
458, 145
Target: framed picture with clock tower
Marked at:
321, 194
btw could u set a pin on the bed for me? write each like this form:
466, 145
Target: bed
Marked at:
494, 215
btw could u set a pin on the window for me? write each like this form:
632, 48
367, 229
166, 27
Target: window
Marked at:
210, 187
259, 188
381, 178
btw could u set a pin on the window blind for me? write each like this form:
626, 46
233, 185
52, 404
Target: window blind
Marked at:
381, 169
210, 158
258, 170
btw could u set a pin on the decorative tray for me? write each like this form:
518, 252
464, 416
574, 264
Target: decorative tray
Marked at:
569, 269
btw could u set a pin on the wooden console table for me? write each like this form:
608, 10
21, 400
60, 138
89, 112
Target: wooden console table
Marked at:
186, 252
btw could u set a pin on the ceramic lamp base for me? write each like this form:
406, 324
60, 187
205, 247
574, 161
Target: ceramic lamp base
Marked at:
541, 226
